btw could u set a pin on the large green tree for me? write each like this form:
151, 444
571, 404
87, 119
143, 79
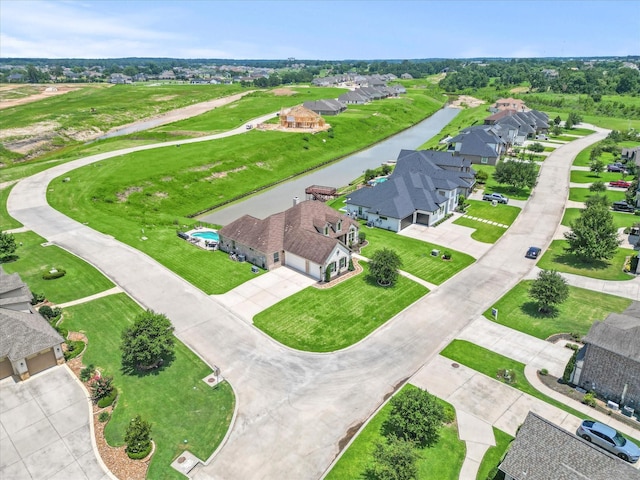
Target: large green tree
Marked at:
384, 266
7, 245
548, 290
147, 341
394, 460
593, 234
516, 173
416, 416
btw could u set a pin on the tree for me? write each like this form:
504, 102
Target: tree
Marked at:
573, 119
384, 266
7, 246
557, 120
416, 416
394, 460
597, 199
535, 148
138, 436
598, 186
548, 290
593, 234
147, 341
596, 166
369, 174
517, 174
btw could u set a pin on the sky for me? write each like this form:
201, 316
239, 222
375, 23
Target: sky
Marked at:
318, 30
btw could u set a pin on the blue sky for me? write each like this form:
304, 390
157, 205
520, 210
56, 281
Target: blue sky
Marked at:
328, 30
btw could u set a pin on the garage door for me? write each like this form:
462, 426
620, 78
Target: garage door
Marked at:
406, 221
296, 262
41, 362
5, 368
422, 219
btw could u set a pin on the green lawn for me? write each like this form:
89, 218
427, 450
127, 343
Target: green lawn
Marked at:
174, 398
416, 255
485, 232
556, 258
581, 194
466, 118
81, 279
585, 176
517, 310
495, 454
620, 219
443, 461
324, 320
6, 222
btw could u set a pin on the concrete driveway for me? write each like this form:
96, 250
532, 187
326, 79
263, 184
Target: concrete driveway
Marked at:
456, 237
260, 293
44, 429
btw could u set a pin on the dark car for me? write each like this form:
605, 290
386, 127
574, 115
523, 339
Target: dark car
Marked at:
620, 184
623, 206
533, 252
615, 167
609, 439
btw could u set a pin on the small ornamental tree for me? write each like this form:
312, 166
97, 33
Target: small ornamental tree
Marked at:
548, 290
138, 438
7, 246
593, 235
394, 460
146, 341
535, 148
415, 416
384, 266
557, 120
596, 166
598, 186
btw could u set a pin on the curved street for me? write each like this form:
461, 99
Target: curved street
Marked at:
294, 407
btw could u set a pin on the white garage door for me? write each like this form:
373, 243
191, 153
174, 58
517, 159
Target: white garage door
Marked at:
295, 262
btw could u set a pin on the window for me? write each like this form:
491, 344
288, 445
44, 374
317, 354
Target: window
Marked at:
276, 257
326, 230
382, 218
484, 160
343, 262
339, 225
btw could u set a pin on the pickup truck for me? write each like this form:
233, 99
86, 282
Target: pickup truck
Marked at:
498, 197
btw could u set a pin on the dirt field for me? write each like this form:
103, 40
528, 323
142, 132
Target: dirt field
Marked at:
467, 101
45, 91
281, 92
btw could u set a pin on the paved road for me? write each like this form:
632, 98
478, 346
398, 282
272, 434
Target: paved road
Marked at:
294, 407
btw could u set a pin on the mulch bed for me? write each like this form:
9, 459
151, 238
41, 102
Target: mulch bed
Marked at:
115, 458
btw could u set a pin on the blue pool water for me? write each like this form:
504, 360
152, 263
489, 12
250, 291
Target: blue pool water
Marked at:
207, 235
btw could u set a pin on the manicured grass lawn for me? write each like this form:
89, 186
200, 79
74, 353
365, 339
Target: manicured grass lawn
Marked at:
416, 255
6, 222
513, 193
484, 232
620, 219
495, 454
519, 311
81, 279
466, 118
443, 461
580, 131
584, 176
556, 258
581, 194
174, 399
324, 320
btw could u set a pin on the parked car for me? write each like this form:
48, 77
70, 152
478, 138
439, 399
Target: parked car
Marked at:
498, 197
616, 167
620, 184
249, 126
609, 439
533, 252
623, 206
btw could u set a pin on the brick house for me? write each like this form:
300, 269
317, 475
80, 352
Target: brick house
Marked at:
609, 362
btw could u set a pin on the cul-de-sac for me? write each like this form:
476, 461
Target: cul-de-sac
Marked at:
218, 261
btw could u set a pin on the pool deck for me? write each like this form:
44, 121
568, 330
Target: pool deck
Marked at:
200, 241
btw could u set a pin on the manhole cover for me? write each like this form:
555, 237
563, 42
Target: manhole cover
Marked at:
181, 459
211, 380
455, 365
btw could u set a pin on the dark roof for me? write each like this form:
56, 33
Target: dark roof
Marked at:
13, 290
326, 105
619, 334
415, 182
299, 230
474, 142
544, 451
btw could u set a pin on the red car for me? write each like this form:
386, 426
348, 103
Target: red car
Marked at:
620, 183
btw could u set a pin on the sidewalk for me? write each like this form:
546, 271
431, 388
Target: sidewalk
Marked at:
111, 291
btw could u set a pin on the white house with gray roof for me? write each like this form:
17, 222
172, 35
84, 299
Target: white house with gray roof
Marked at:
423, 189
28, 344
544, 451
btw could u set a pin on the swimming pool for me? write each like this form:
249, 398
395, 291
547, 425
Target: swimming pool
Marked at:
207, 235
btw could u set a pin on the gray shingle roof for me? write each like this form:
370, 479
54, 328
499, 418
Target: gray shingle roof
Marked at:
544, 451
474, 142
12, 289
619, 334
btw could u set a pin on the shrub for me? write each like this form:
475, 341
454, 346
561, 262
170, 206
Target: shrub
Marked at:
103, 417
589, 399
362, 236
568, 370
482, 176
138, 437
351, 267
101, 387
62, 331
446, 255
544, 371
37, 298
571, 346
46, 311
86, 373
74, 348
140, 455
109, 399
49, 275
327, 274
507, 376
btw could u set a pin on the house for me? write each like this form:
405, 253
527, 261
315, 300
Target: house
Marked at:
354, 97
609, 362
119, 79
630, 155
544, 451
28, 344
478, 144
300, 117
423, 188
309, 237
326, 107
508, 104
